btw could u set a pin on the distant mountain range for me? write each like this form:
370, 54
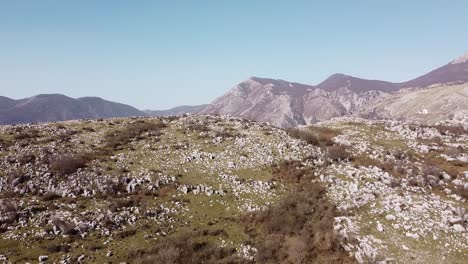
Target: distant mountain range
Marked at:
286, 104
283, 103
57, 107
179, 110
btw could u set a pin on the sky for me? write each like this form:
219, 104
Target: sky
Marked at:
160, 54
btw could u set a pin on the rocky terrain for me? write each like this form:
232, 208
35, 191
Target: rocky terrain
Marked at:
425, 106
227, 190
57, 107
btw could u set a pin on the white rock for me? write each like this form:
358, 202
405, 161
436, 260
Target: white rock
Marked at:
390, 217
43, 258
404, 247
380, 227
458, 228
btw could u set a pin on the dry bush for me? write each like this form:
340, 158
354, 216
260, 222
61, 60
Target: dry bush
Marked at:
338, 153
299, 229
21, 134
317, 136
304, 135
198, 127
9, 213
50, 196
133, 130
461, 191
187, 249
125, 234
69, 164
56, 248
291, 171
26, 158
451, 130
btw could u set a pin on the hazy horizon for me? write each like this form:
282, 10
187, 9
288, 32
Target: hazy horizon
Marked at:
155, 55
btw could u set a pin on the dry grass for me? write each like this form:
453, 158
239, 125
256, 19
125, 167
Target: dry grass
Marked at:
299, 229
133, 130
317, 136
187, 248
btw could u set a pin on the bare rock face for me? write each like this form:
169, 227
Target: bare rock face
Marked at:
442, 103
430, 98
287, 104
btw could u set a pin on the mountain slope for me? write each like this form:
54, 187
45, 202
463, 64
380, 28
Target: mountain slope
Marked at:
447, 102
454, 72
288, 104
57, 107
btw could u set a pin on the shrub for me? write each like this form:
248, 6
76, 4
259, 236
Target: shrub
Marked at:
26, 158
56, 248
50, 196
26, 134
69, 164
291, 171
304, 135
299, 229
131, 131
317, 136
451, 130
186, 248
338, 153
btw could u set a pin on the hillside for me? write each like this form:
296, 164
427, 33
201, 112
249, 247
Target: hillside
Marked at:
227, 190
427, 106
288, 104
57, 107
178, 110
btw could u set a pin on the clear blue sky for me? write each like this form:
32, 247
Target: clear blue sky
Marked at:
159, 54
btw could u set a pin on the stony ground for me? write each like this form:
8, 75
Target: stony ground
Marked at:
69, 194
405, 190
99, 191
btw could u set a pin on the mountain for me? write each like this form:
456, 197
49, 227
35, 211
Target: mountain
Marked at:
454, 72
57, 107
429, 106
179, 110
288, 104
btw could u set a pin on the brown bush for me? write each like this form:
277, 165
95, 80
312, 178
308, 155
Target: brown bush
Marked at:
10, 213
186, 248
338, 153
317, 136
123, 136
69, 164
451, 130
26, 158
291, 172
50, 196
21, 134
56, 248
126, 233
299, 229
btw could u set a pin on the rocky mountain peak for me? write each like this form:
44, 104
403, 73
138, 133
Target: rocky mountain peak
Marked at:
462, 59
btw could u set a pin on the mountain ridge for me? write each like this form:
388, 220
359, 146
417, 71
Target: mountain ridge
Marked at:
276, 102
59, 107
